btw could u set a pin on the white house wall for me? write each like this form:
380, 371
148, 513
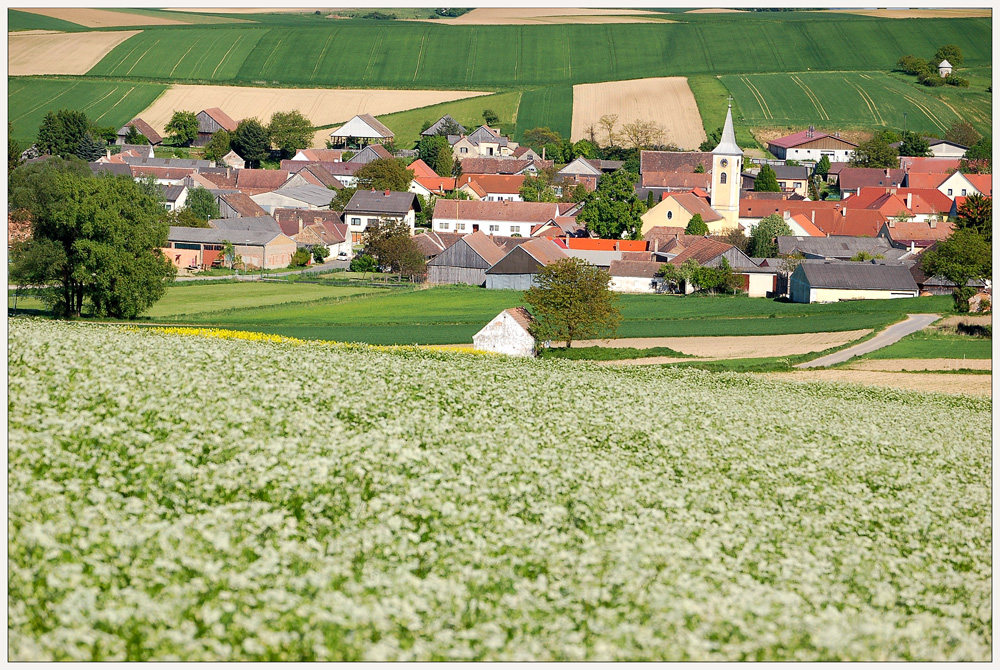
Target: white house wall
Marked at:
633, 285
502, 228
503, 335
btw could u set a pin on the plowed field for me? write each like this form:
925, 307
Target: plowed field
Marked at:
101, 18
60, 53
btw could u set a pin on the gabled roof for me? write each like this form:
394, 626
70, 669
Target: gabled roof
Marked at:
843, 246
929, 164
317, 175
677, 180
484, 210
364, 126
221, 118
288, 219
673, 161
220, 178
862, 276
494, 183
543, 250
581, 166
247, 223
521, 316
982, 182
598, 244
923, 201
395, 203
485, 134
260, 181
242, 204
370, 153
890, 204
704, 250
808, 226
437, 185
220, 235
147, 130
804, 137
629, 268
421, 169
437, 125
501, 165
855, 178
484, 247
318, 155
919, 232
474, 187
432, 243
944, 63
171, 193
694, 205
925, 180
659, 236
317, 196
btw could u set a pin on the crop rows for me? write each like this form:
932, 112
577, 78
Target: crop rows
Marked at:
179, 498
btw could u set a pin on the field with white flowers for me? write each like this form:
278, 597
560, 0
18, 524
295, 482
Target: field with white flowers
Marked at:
173, 496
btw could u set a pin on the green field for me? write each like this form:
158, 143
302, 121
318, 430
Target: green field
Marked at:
105, 102
931, 344
712, 98
551, 106
831, 100
17, 21
407, 125
194, 297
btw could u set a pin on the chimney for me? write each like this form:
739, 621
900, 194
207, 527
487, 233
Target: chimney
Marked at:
913, 246
387, 192
909, 201
887, 173
814, 216
933, 223
300, 224
616, 245
543, 153
109, 152
843, 212
656, 244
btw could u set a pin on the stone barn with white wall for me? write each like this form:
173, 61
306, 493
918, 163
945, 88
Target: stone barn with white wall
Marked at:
507, 334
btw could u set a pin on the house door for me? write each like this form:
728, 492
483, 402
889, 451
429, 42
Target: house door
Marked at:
475, 227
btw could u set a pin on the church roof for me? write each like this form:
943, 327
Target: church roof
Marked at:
727, 145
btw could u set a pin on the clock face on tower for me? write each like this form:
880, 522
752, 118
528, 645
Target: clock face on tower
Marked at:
724, 162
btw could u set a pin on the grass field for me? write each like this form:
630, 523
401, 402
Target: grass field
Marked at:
930, 344
194, 298
17, 21
105, 102
406, 125
551, 106
832, 100
713, 102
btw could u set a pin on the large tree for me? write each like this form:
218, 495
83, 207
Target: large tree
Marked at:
914, 145
823, 166
696, 226
61, 132
571, 300
183, 127
962, 132
90, 148
976, 214
289, 132
766, 181
762, 243
97, 238
250, 140
436, 152
384, 174
202, 203
133, 136
537, 138
613, 210
390, 244
218, 146
951, 53
537, 189
875, 153
962, 257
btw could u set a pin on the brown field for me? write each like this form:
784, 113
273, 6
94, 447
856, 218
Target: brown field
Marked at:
920, 13
711, 10
60, 53
750, 346
915, 364
524, 16
319, 105
100, 18
936, 383
666, 100
242, 10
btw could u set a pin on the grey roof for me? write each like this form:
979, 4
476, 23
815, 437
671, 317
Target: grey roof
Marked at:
319, 196
171, 193
218, 236
167, 162
866, 276
836, 246
382, 202
727, 144
247, 223
112, 168
433, 130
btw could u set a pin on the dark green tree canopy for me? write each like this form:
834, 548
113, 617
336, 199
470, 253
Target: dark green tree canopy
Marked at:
914, 145
571, 300
766, 181
183, 127
385, 174
133, 136
289, 132
537, 189
876, 153
202, 203
218, 146
390, 244
976, 214
250, 140
823, 166
696, 226
491, 118
61, 132
436, 152
613, 210
951, 53
964, 255
762, 243
537, 138
90, 148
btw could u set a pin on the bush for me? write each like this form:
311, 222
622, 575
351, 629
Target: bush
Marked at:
320, 253
953, 80
961, 297
299, 258
363, 263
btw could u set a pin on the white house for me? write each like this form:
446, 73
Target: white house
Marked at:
809, 145
368, 207
635, 276
944, 68
957, 185
507, 334
174, 197
504, 218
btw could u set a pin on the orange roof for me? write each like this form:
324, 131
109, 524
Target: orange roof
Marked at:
475, 188
890, 204
923, 200
805, 224
982, 182
695, 205
917, 230
925, 179
436, 184
856, 223
928, 164
494, 183
753, 208
421, 169
319, 155
597, 244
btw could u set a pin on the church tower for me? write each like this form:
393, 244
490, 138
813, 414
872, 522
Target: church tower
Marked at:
727, 168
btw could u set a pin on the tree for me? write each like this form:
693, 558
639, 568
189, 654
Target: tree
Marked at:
962, 132
250, 140
696, 226
976, 214
981, 150
875, 153
183, 127
184, 218
449, 127
384, 174
913, 65
133, 136
762, 242
13, 149
289, 132
571, 300
585, 148
425, 216
537, 189
342, 197
578, 193
951, 53
99, 237
962, 257
61, 132
863, 256
536, 138
202, 203
319, 252
613, 210
735, 237
218, 146
823, 166
300, 258
712, 141
491, 117
650, 201
364, 264
436, 152
914, 145
643, 134
766, 181
607, 122
90, 148
390, 244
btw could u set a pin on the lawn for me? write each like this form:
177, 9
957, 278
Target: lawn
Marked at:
469, 112
832, 100
108, 103
192, 498
551, 106
930, 344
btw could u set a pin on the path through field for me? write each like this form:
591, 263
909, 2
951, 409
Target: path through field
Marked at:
60, 53
920, 364
665, 100
747, 346
100, 18
893, 333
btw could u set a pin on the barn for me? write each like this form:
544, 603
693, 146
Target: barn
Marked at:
508, 333
466, 261
210, 121
809, 145
518, 268
832, 282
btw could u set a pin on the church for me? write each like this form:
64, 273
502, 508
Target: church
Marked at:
718, 204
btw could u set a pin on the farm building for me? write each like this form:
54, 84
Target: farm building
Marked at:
586, 171
483, 141
370, 153
254, 182
465, 262
710, 253
295, 197
841, 247
236, 203
497, 165
247, 224
517, 269
438, 125
431, 244
363, 129
939, 148
676, 209
210, 121
852, 180
832, 282
233, 160
635, 276
791, 179
367, 207
809, 145
200, 247
313, 174
147, 131
508, 333
494, 218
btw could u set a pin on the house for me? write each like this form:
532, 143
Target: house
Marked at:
852, 180
936, 285
517, 269
560, 226
421, 169
210, 121
503, 165
315, 227
151, 161
254, 182
586, 171
944, 68
920, 204
675, 169
809, 145
342, 172
368, 207
602, 252
832, 282
201, 246
233, 160
465, 262
246, 224
364, 129
835, 248
147, 131
709, 252
370, 153
504, 217
166, 176
318, 155
436, 127
432, 186
628, 276
216, 178
313, 174
508, 333
915, 234
431, 243
174, 197
236, 204
676, 209
929, 165
483, 141
526, 153
939, 148
295, 197
791, 179
491, 187
958, 184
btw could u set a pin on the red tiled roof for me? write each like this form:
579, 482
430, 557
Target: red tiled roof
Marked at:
421, 169
634, 268
242, 203
924, 180
854, 178
917, 231
695, 205
484, 210
521, 316
598, 244
702, 250
494, 183
856, 223
924, 200
686, 180
320, 155
147, 130
928, 164
221, 180
673, 161
500, 165
260, 181
485, 247
543, 250
288, 218
982, 182
436, 184
759, 208
803, 221
803, 137
221, 118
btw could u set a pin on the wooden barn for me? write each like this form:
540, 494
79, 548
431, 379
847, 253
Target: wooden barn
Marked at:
518, 268
210, 121
466, 261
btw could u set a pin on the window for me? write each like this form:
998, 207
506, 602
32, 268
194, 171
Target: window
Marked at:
670, 215
798, 184
443, 226
494, 228
355, 220
489, 151
515, 229
963, 191
463, 150
459, 226
722, 178
950, 191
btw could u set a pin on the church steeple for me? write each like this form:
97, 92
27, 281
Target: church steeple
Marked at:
727, 144
727, 167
